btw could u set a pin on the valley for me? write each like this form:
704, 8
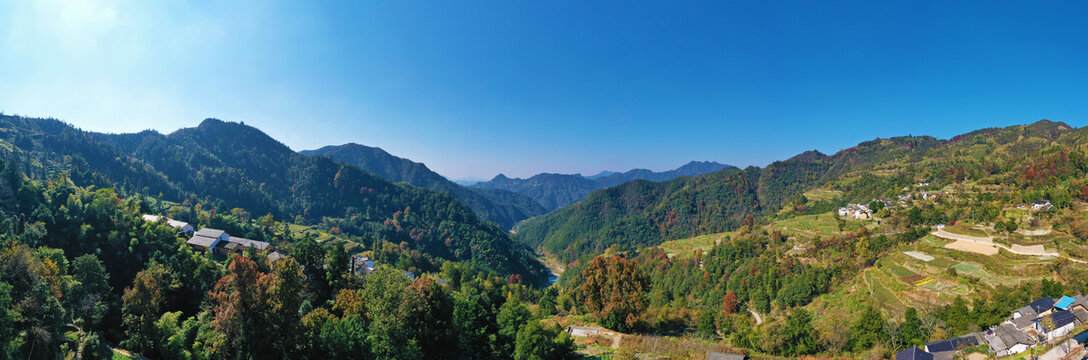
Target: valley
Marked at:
892, 236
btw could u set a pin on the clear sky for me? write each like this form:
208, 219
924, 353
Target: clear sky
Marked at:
477, 88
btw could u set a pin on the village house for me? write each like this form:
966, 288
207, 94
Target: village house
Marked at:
181, 226
1064, 303
1041, 205
913, 353
208, 239
362, 264
1024, 317
219, 242
276, 256
1055, 325
1006, 340
947, 349
857, 211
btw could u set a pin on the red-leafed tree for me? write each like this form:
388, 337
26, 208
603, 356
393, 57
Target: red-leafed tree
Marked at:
729, 303
257, 313
615, 292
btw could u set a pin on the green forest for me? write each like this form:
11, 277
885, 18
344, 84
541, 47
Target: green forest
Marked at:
777, 273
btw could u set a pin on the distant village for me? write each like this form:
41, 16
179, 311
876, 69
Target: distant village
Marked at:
219, 242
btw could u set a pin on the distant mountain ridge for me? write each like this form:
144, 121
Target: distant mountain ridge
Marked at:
554, 191
222, 165
501, 207
641, 213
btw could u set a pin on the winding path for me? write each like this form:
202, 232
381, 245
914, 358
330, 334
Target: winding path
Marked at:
759, 320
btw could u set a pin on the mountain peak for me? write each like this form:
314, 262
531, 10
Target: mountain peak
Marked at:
811, 155
211, 122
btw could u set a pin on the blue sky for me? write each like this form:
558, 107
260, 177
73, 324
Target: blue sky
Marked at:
477, 88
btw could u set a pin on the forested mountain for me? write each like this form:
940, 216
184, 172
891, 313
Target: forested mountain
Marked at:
81, 273
502, 207
642, 213
554, 191
693, 168
222, 165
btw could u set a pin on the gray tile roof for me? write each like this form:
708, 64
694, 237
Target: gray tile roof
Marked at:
176, 224
209, 232
1080, 313
276, 256
259, 245
1027, 317
201, 241
1007, 335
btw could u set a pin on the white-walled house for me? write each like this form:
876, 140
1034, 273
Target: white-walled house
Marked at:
180, 225
208, 239
1063, 322
1006, 340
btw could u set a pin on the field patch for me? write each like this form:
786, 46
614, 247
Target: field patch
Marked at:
919, 255
899, 271
973, 247
822, 194
913, 279
945, 287
815, 225
966, 268
687, 246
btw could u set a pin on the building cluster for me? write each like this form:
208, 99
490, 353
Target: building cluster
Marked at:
181, 226
923, 195
217, 241
1041, 205
857, 211
1040, 322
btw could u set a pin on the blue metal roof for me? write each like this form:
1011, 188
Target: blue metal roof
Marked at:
1042, 305
1082, 337
913, 353
1061, 318
951, 344
1065, 302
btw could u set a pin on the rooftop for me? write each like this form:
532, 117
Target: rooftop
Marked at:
203, 241
209, 232
1061, 318
1064, 302
951, 344
259, 245
913, 353
1042, 305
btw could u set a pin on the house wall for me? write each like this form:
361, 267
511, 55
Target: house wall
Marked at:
1019, 348
1059, 332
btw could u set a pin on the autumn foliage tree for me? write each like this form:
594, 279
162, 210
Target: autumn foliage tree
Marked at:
729, 303
615, 292
256, 314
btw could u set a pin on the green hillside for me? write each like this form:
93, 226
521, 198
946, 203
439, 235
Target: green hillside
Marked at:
223, 165
504, 208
